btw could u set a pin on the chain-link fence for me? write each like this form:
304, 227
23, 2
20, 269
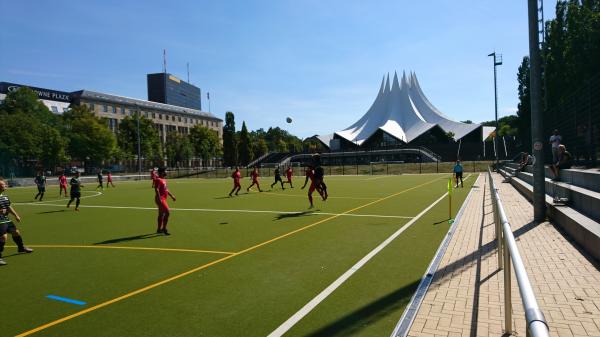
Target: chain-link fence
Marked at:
577, 120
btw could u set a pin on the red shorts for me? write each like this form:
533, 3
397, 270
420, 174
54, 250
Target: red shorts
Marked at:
63, 187
236, 184
255, 182
312, 187
289, 178
162, 205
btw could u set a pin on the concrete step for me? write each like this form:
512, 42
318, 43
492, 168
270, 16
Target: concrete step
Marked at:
588, 179
512, 165
583, 229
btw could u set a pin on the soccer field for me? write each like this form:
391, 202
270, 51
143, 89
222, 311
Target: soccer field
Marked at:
238, 266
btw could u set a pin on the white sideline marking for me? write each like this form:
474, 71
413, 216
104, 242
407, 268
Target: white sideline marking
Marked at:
63, 199
224, 210
287, 325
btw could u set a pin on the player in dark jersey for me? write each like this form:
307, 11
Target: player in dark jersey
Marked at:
289, 174
100, 184
62, 184
254, 175
40, 181
237, 176
310, 175
277, 178
7, 226
320, 183
161, 201
75, 191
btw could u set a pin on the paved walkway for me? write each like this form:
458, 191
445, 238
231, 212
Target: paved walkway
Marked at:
466, 296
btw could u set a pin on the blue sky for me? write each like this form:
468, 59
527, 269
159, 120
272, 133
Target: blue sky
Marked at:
319, 62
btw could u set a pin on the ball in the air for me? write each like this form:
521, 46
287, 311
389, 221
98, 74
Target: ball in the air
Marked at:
289, 119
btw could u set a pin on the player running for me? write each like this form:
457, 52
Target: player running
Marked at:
458, 174
254, 175
109, 179
161, 201
289, 173
100, 184
40, 181
7, 226
75, 191
236, 175
310, 175
62, 184
320, 183
277, 178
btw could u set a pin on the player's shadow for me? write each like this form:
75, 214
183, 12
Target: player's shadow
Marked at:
48, 212
283, 216
128, 238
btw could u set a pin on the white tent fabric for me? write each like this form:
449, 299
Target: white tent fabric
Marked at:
403, 112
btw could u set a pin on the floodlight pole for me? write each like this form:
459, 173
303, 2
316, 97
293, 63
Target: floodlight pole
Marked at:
139, 141
497, 62
537, 131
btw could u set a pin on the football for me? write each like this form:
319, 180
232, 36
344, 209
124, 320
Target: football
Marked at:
289, 119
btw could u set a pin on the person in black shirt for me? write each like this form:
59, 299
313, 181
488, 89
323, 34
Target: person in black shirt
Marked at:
100, 185
277, 178
40, 181
7, 226
75, 191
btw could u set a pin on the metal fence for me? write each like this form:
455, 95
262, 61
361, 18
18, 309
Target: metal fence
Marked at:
577, 119
507, 252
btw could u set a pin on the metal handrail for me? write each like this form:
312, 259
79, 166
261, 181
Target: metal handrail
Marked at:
507, 251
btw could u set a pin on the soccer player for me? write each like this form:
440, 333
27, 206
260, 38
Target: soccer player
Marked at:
458, 173
7, 226
161, 201
236, 175
277, 178
75, 191
62, 184
289, 173
109, 179
320, 183
100, 184
40, 181
254, 175
310, 175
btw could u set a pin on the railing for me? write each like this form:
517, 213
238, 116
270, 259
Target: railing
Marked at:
507, 251
252, 163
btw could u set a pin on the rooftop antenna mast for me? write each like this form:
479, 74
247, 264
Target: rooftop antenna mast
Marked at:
164, 61
188, 71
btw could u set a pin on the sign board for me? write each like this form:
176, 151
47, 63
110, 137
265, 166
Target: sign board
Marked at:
42, 93
537, 146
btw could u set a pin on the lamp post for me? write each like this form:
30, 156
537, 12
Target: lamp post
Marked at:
139, 140
497, 62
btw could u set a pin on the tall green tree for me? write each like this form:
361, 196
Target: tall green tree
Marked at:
206, 143
245, 146
230, 151
260, 147
524, 106
127, 138
178, 149
90, 139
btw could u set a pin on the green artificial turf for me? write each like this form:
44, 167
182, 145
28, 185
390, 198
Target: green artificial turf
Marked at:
281, 260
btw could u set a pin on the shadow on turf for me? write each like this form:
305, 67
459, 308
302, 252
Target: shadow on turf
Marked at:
128, 238
48, 212
283, 216
358, 319
441, 221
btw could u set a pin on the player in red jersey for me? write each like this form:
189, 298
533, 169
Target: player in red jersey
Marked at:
153, 176
236, 175
310, 174
289, 173
254, 175
109, 179
62, 184
162, 192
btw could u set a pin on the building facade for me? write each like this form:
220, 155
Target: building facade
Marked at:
168, 89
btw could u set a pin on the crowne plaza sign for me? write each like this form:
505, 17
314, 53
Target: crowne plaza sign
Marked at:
47, 94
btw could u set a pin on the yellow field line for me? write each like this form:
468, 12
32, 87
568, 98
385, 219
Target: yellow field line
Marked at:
132, 248
204, 266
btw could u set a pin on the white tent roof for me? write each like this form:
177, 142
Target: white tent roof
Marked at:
404, 112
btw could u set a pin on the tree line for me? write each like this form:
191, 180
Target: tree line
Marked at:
33, 137
243, 146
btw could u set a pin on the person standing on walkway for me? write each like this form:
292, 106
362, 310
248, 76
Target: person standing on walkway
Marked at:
555, 141
458, 173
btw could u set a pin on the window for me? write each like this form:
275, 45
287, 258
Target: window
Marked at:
153, 115
122, 110
185, 120
105, 108
179, 118
114, 109
146, 114
54, 109
65, 109
159, 116
92, 107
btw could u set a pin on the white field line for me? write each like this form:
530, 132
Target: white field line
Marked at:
225, 210
304, 196
287, 325
97, 194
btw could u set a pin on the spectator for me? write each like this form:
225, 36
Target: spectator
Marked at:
564, 161
555, 141
526, 159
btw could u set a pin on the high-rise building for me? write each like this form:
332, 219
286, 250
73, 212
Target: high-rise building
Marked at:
168, 89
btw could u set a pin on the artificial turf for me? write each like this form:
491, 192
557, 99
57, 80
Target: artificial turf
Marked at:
250, 270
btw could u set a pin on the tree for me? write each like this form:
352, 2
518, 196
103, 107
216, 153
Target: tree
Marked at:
178, 148
127, 138
468, 121
230, 152
90, 140
245, 146
205, 142
260, 147
524, 106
